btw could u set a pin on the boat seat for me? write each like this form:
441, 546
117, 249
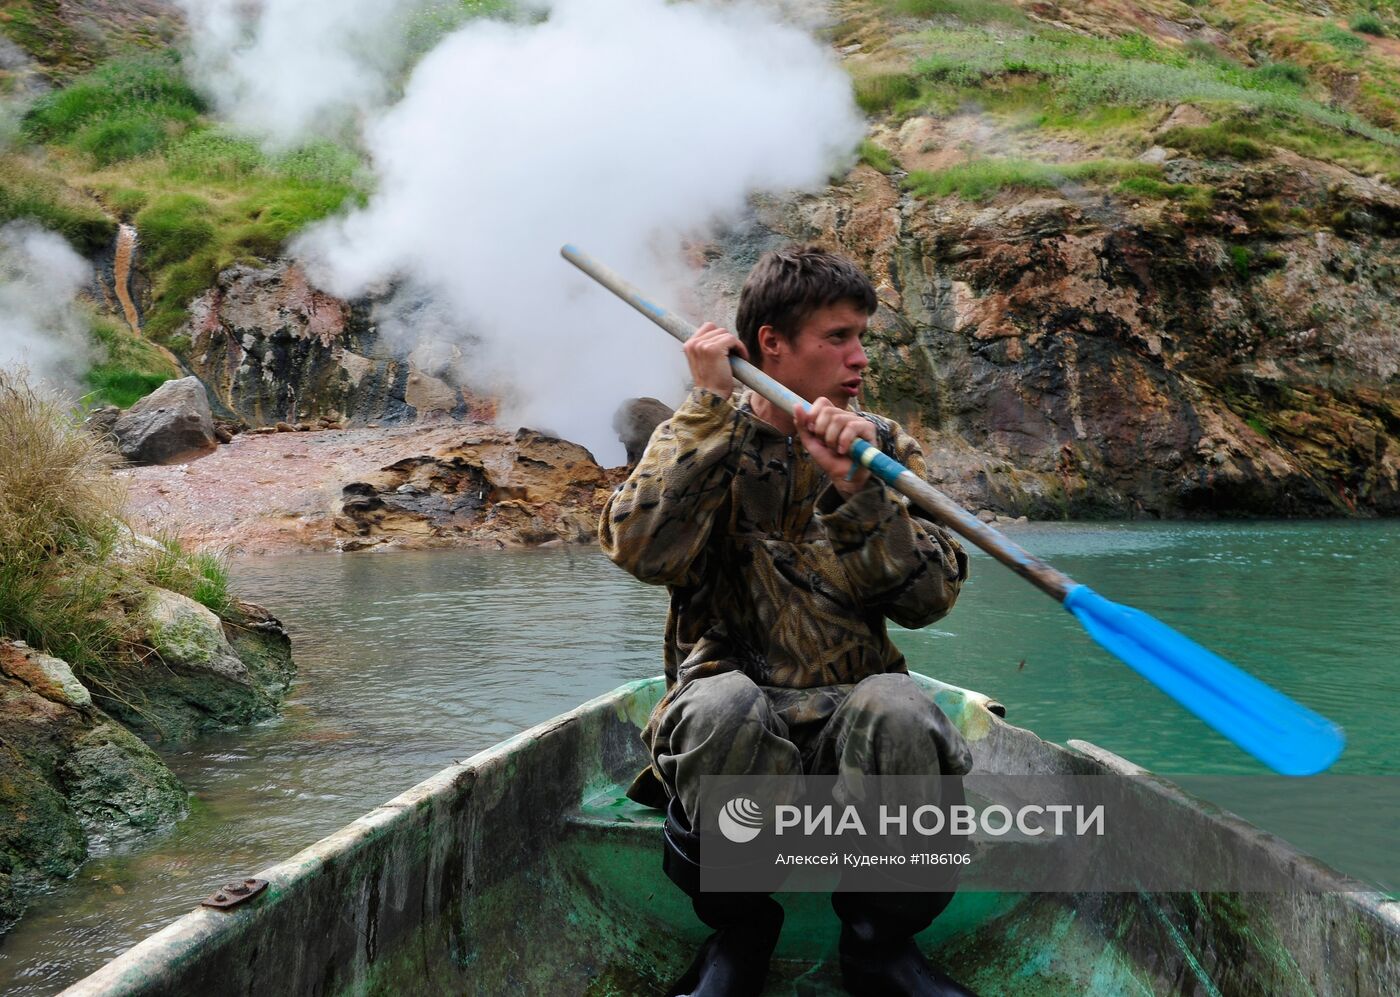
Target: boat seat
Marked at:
610, 809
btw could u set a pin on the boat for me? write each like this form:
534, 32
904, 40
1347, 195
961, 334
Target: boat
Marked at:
526, 870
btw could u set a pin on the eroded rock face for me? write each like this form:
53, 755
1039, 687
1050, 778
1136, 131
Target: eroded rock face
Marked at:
488, 488
71, 778
170, 425
274, 349
1062, 357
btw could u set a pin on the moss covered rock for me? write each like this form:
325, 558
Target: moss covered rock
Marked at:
71, 778
206, 673
189, 636
48, 676
117, 786
263, 645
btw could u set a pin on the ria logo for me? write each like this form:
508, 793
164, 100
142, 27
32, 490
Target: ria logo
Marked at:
741, 820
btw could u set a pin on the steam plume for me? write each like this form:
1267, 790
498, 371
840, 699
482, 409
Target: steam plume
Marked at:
290, 70
41, 326
621, 126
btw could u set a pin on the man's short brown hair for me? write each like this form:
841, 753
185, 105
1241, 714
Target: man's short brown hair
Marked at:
787, 285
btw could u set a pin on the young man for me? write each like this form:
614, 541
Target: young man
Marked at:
783, 560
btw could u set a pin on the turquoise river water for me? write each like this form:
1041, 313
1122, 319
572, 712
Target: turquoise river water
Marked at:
410, 661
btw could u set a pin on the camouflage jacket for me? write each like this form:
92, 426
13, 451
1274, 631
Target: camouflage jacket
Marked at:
770, 571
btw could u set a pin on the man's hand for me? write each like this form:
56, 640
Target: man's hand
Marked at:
828, 433
708, 354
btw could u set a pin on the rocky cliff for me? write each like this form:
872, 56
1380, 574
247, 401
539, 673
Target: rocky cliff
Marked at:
271, 348
1076, 354
1073, 352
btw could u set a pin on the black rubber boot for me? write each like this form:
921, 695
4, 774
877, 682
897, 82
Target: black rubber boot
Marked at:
879, 957
733, 962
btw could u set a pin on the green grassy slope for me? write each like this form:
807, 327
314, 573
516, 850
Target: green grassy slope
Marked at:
1099, 75
130, 142
121, 135
126, 138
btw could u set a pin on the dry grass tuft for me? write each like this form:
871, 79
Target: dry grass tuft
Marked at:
60, 521
68, 561
57, 492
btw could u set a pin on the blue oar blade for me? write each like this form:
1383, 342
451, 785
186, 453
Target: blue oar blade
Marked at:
1286, 736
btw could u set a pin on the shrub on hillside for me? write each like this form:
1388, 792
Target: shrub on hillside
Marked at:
202, 575
179, 285
1367, 23
122, 136
1220, 140
1229, 139
28, 191
1344, 41
60, 521
878, 92
877, 156
1282, 72
1240, 257
211, 154
1199, 48
114, 385
131, 369
1076, 75
979, 179
125, 108
966, 11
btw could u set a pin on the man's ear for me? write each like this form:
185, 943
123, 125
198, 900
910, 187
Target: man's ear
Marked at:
769, 342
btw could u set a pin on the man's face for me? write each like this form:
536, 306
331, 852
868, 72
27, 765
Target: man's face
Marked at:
825, 358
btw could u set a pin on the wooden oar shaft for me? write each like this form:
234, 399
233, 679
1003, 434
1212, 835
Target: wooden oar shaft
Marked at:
942, 509
939, 507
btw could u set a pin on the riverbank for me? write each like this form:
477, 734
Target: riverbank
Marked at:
108, 639
76, 780
431, 484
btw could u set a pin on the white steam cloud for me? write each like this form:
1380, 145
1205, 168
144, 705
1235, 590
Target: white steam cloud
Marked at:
41, 326
623, 127
289, 70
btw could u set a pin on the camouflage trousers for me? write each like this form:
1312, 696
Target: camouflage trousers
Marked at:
727, 724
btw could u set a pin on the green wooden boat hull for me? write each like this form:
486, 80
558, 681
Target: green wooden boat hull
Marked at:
525, 871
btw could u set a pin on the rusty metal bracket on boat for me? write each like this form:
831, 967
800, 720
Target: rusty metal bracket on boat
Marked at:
233, 894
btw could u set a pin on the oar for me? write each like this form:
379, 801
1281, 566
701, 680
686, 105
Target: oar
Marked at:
1286, 736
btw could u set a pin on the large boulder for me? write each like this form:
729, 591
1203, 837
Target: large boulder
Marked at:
71, 778
273, 348
634, 422
170, 425
204, 675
